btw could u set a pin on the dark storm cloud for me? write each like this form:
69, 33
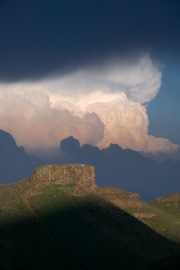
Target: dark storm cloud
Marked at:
40, 37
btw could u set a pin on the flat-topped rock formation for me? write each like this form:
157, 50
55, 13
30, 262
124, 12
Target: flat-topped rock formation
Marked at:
71, 173
80, 176
83, 177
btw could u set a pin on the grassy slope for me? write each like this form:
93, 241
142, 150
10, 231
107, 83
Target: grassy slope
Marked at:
51, 229
162, 214
168, 221
169, 205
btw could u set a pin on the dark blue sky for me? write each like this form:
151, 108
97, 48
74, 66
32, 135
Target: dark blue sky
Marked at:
164, 110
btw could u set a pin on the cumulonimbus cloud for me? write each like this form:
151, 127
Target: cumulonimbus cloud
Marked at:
99, 106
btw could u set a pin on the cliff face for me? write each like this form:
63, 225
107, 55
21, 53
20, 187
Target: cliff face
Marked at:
83, 178
59, 174
79, 176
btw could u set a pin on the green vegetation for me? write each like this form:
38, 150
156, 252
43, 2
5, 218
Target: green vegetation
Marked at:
162, 215
168, 211
47, 227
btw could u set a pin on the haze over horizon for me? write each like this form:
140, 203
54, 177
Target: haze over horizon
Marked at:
101, 71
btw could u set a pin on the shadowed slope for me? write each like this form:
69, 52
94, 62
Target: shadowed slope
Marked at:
162, 214
45, 225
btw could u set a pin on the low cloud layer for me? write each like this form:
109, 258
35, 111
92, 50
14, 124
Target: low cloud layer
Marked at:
98, 105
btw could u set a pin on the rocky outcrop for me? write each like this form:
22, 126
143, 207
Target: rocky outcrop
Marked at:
144, 215
59, 174
169, 198
79, 176
120, 197
128, 201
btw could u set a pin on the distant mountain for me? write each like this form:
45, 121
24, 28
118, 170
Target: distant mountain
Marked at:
15, 163
58, 218
124, 168
115, 167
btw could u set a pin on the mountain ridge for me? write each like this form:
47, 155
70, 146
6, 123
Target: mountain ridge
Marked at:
59, 217
79, 180
115, 167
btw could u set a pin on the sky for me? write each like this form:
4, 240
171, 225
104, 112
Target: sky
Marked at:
103, 71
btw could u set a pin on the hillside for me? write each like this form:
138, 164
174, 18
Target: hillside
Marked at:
60, 219
162, 214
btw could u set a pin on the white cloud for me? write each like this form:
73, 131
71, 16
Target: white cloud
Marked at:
100, 105
30, 117
139, 80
